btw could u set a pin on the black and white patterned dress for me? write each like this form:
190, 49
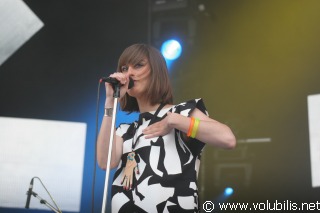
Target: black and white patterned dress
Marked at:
168, 167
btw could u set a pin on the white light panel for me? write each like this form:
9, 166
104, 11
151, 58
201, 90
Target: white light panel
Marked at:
17, 25
51, 150
314, 136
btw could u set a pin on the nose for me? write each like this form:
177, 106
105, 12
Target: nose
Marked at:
130, 71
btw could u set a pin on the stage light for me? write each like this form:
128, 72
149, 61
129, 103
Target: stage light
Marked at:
228, 191
171, 49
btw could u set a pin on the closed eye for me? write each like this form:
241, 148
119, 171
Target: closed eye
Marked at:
140, 64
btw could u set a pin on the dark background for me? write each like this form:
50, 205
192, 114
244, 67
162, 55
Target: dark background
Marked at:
253, 62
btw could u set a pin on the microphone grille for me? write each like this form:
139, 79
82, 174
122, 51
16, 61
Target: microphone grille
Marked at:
131, 83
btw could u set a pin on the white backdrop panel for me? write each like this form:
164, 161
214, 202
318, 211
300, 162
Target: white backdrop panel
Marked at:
17, 25
314, 135
51, 150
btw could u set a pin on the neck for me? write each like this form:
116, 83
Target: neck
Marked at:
146, 106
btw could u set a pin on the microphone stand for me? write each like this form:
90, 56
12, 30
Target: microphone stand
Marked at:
116, 95
43, 201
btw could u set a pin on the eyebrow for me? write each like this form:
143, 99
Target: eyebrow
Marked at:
139, 61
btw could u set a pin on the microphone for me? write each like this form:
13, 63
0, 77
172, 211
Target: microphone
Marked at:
29, 193
115, 81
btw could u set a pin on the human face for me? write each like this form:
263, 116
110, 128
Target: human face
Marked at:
140, 74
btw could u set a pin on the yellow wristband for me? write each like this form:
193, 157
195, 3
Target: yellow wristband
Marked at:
195, 128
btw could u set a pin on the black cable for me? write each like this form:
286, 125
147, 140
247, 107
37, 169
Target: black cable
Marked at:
95, 149
49, 194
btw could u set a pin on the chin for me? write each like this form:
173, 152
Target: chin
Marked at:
134, 92
131, 93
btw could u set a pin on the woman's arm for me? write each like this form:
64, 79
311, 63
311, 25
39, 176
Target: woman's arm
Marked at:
209, 130
103, 145
104, 134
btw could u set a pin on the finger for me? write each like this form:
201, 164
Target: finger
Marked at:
130, 182
149, 131
152, 127
145, 131
125, 185
148, 136
122, 78
123, 181
152, 135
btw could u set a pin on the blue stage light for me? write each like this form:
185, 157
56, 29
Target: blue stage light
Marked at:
171, 49
228, 191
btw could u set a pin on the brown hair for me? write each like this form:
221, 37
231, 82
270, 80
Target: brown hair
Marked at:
160, 90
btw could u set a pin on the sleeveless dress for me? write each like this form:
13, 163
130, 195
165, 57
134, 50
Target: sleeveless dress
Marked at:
168, 167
